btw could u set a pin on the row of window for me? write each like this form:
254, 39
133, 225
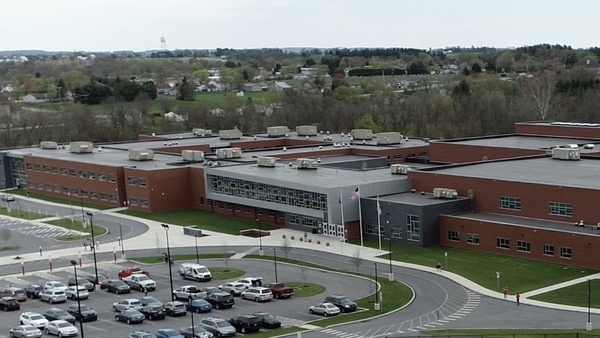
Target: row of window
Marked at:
71, 191
71, 172
554, 208
504, 243
413, 229
133, 201
136, 181
238, 208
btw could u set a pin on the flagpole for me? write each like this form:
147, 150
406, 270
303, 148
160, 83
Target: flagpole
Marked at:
343, 224
379, 221
360, 220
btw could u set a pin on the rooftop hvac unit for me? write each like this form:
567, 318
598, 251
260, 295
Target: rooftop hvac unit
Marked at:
444, 193
306, 130
277, 131
81, 147
307, 163
361, 134
400, 169
192, 155
141, 154
389, 138
565, 154
229, 153
202, 132
266, 162
48, 145
231, 134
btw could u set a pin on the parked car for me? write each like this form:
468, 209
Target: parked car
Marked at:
153, 311
268, 321
325, 309
14, 292
198, 306
220, 300
140, 282
257, 294
197, 272
342, 302
188, 292
279, 290
132, 270
53, 296
218, 326
102, 280
25, 331
146, 300
33, 290
117, 286
235, 289
72, 292
140, 334
81, 281
55, 285
246, 323
175, 308
250, 281
87, 313
55, 313
127, 304
61, 328
9, 304
33, 318
130, 317
7, 197
197, 331
168, 333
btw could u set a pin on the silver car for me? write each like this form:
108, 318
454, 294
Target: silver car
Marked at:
53, 296
127, 304
325, 309
61, 328
25, 331
234, 288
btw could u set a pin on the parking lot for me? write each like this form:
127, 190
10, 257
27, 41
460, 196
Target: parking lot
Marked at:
291, 312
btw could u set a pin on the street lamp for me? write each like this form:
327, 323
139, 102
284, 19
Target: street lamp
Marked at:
166, 227
121, 243
260, 248
391, 274
275, 262
197, 257
193, 328
446, 257
74, 263
377, 306
588, 326
91, 216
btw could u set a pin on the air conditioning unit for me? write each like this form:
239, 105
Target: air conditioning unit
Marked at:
192, 155
202, 132
400, 169
389, 138
565, 154
48, 145
277, 131
306, 130
229, 153
361, 134
141, 154
266, 162
231, 134
81, 147
444, 193
307, 163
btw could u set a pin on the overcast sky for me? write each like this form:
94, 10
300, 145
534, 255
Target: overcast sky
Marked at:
109, 25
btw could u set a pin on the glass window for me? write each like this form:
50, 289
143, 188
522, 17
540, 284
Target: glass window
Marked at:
559, 208
114, 198
46, 169
92, 175
523, 246
111, 177
294, 219
72, 172
131, 180
144, 203
64, 171
413, 228
55, 170
57, 189
29, 166
132, 201
103, 196
548, 250
101, 177
93, 195
503, 243
142, 182
473, 239
82, 174
454, 236
37, 167
84, 193
565, 252
396, 232
510, 203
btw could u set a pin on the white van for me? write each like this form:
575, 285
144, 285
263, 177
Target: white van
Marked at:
197, 272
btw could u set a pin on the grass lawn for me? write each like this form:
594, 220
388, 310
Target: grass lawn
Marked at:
205, 220
9, 248
305, 289
520, 275
77, 226
185, 257
515, 333
576, 295
19, 213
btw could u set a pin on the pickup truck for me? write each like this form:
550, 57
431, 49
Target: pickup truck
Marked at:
132, 270
188, 292
140, 282
279, 290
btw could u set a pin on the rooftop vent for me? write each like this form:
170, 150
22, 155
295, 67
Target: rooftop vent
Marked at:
266, 162
81, 147
192, 155
401, 169
445, 193
202, 132
389, 138
48, 145
565, 154
307, 163
229, 153
278, 131
361, 134
141, 154
307, 130
231, 134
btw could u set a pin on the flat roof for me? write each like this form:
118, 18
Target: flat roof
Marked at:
523, 142
584, 173
416, 198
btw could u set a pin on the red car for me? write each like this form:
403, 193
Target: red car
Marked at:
131, 271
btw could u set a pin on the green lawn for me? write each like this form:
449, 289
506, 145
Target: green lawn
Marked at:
205, 220
305, 289
20, 213
520, 275
515, 333
184, 257
576, 295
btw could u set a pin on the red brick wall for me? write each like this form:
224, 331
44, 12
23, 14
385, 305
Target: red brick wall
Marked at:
554, 130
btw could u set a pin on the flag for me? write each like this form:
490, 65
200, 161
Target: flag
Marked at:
355, 194
378, 208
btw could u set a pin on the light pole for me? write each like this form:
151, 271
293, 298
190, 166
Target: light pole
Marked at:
391, 274
74, 263
193, 329
377, 306
275, 262
446, 257
588, 326
121, 243
197, 257
260, 248
166, 227
91, 216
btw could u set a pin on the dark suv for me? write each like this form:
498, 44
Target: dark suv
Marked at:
220, 300
246, 323
343, 302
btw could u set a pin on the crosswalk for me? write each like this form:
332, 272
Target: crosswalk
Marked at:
37, 230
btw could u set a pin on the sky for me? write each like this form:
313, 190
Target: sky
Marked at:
138, 25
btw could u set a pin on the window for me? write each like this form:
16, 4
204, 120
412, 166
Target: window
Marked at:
46, 169
454, 236
201, 200
82, 174
132, 201
93, 195
57, 189
248, 210
101, 177
510, 203
54, 170
565, 252
28, 166
473, 239
144, 203
114, 198
229, 206
40, 186
413, 228
64, 171
259, 211
293, 219
548, 250
396, 232
48, 187
238, 208
65, 190
131, 180
72, 172
103, 196
142, 182
74, 191
37, 167
84, 193
221, 205
92, 175
111, 177
562, 209
523, 246
502, 243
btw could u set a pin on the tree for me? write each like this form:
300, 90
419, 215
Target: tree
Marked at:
465, 71
286, 247
185, 90
357, 259
541, 90
476, 67
61, 89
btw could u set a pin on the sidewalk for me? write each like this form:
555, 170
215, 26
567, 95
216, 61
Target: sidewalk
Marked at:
155, 237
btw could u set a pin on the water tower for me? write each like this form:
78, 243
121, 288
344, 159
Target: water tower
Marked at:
163, 43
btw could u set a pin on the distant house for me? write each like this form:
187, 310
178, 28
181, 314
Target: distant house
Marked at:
37, 98
593, 67
166, 89
281, 86
251, 87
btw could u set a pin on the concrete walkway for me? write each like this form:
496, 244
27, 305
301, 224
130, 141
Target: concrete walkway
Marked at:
155, 236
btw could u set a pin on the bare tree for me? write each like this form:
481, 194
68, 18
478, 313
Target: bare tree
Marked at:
541, 90
5, 234
303, 272
226, 256
356, 259
286, 246
157, 242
